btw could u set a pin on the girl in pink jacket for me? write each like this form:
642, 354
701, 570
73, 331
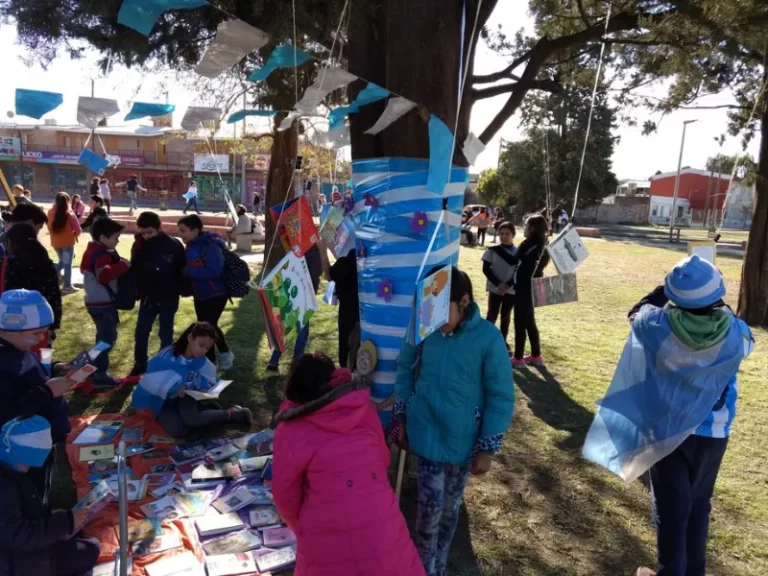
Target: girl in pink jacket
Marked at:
330, 479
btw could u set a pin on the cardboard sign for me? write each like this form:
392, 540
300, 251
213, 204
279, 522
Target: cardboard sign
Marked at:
551, 290
295, 225
704, 249
567, 250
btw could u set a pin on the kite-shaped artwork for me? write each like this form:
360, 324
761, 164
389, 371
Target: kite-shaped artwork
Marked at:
35, 103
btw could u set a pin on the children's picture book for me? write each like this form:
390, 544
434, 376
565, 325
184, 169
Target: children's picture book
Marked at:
215, 471
432, 304
276, 560
112, 568
261, 517
107, 423
185, 452
137, 449
185, 564
133, 434
559, 289
156, 454
167, 490
567, 250
93, 453
295, 225
222, 452
234, 501
188, 466
200, 500
81, 368
287, 300
136, 489
252, 465
230, 564
248, 440
704, 249
212, 393
167, 541
161, 479
329, 296
158, 439
167, 508
94, 502
338, 231
241, 541
144, 529
261, 496
101, 469
100, 434
278, 537
213, 523
162, 468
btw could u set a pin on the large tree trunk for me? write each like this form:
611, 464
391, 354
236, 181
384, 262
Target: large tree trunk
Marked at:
753, 298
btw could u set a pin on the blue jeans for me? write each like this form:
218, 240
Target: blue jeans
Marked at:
190, 203
148, 311
298, 348
106, 321
66, 255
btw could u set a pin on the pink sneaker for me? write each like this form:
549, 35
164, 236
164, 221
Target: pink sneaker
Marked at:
534, 360
518, 363
645, 572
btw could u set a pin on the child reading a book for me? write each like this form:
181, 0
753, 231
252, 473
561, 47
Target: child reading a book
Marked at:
33, 538
329, 477
176, 369
454, 397
499, 266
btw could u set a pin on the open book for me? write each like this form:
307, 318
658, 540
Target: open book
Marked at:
81, 368
212, 393
94, 502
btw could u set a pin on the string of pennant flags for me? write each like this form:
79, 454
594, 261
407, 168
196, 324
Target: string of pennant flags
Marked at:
233, 41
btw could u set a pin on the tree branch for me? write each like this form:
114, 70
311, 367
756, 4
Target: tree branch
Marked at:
501, 74
545, 85
717, 107
583, 13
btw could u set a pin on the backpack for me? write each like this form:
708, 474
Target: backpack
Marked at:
236, 273
126, 295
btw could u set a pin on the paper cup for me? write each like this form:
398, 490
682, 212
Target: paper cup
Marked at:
46, 357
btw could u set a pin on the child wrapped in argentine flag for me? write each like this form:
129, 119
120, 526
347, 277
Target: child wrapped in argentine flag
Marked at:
176, 369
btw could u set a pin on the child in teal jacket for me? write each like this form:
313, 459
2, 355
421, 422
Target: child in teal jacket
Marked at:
454, 398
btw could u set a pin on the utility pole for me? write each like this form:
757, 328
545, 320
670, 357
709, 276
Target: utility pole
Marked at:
673, 214
21, 157
93, 130
243, 187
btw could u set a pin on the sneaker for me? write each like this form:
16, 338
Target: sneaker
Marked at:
534, 360
226, 360
645, 572
138, 369
241, 415
104, 383
272, 368
69, 290
518, 363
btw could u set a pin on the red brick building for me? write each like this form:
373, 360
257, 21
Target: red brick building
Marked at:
697, 186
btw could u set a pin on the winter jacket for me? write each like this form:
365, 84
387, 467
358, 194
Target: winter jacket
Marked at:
159, 264
100, 267
205, 266
67, 236
78, 209
330, 484
35, 274
23, 391
97, 212
463, 398
28, 528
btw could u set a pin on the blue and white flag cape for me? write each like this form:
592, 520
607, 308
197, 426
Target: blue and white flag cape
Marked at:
660, 393
166, 374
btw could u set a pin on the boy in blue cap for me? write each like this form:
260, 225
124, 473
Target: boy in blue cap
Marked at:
35, 540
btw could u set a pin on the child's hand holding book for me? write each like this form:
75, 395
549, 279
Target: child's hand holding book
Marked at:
59, 386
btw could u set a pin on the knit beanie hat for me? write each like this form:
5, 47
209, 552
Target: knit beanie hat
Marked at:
24, 310
694, 283
25, 441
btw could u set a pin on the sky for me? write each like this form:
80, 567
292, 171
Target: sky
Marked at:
635, 156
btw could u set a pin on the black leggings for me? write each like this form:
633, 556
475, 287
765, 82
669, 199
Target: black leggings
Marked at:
210, 311
179, 416
503, 304
525, 323
481, 236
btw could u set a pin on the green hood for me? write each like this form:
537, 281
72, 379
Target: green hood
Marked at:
699, 332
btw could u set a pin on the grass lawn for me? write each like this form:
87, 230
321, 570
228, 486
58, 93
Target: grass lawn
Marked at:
542, 510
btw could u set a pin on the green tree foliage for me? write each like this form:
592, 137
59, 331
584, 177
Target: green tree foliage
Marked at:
489, 188
725, 163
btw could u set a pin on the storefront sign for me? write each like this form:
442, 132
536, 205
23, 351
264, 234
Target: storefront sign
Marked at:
131, 158
261, 161
10, 147
50, 157
211, 163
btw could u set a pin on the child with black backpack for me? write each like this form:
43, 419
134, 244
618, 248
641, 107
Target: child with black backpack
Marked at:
102, 267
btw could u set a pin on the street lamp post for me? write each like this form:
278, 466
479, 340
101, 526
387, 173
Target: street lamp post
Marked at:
672, 215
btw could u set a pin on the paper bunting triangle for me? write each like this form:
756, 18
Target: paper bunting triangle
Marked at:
282, 56
91, 111
396, 108
242, 114
339, 138
440, 147
141, 15
234, 40
326, 81
371, 93
149, 110
337, 115
36, 104
93, 161
288, 120
472, 148
197, 115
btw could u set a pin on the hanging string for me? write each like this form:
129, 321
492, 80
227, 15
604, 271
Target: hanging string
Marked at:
547, 178
591, 112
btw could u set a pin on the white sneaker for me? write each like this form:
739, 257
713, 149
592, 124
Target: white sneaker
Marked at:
226, 360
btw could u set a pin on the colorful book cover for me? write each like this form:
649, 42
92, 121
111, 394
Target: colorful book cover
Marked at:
432, 304
560, 289
199, 500
261, 517
288, 299
339, 232
234, 501
153, 545
94, 502
132, 435
276, 560
278, 537
93, 453
295, 225
135, 489
97, 435
143, 529
167, 508
212, 524
230, 564
241, 541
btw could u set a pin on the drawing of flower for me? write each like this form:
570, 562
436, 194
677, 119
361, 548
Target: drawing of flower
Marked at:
384, 289
419, 222
370, 200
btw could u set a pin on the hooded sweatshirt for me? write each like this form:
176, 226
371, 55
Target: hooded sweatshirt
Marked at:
205, 266
330, 485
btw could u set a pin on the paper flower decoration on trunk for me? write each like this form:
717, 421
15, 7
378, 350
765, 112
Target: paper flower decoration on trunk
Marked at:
384, 289
419, 222
360, 250
371, 201
349, 204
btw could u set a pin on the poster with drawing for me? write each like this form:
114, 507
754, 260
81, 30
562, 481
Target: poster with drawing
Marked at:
432, 304
551, 290
704, 249
567, 250
339, 232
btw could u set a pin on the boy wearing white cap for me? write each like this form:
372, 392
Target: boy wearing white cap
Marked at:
35, 540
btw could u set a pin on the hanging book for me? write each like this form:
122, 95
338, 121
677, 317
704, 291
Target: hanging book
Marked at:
295, 225
432, 304
567, 250
339, 232
287, 300
704, 249
559, 289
